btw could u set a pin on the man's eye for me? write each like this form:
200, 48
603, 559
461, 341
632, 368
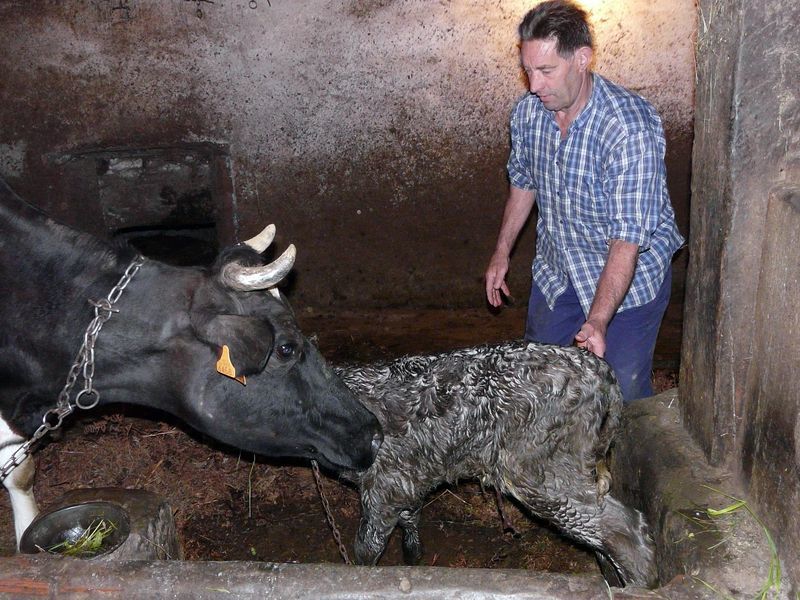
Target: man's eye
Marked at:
286, 350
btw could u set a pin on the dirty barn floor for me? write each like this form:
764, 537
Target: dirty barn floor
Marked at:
232, 506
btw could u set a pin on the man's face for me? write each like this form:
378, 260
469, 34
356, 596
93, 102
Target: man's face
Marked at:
555, 80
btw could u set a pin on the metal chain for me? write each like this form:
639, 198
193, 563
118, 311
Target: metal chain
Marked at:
82, 366
329, 514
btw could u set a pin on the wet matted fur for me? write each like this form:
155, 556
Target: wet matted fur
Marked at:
531, 420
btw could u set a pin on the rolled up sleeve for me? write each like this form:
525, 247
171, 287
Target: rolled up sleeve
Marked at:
520, 172
634, 184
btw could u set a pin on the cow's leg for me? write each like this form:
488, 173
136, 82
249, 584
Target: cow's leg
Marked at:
19, 482
377, 523
412, 547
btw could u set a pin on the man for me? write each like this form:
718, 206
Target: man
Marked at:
591, 154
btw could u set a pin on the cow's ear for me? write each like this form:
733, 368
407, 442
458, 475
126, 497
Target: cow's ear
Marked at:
249, 340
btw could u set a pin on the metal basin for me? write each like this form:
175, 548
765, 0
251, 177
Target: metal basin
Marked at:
65, 531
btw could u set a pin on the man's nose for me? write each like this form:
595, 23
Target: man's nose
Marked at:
534, 82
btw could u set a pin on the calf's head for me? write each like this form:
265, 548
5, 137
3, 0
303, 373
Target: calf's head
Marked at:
264, 387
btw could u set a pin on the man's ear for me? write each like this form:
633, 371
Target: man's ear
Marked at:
249, 340
584, 55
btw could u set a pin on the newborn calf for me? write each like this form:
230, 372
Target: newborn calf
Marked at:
531, 420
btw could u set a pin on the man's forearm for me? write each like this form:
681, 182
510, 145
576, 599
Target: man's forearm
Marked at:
613, 283
518, 209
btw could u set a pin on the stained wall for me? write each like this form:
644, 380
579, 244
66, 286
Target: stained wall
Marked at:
374, 133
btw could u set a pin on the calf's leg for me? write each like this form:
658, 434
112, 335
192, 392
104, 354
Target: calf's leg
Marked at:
412, 547
507, 524
373, 532
618, 532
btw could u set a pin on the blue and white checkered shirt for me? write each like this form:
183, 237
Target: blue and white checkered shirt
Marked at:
606, 180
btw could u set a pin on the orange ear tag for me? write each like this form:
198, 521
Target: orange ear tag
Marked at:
225, 366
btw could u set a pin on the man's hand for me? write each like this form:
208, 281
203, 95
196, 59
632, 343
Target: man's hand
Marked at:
518, 207
593, 338
611, 289
496, 279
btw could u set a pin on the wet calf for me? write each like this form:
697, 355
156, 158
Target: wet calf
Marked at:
531, 420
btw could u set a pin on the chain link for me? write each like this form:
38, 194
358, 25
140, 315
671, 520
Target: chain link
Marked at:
329, 514
82, 366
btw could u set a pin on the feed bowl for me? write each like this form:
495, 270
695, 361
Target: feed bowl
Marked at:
86, 530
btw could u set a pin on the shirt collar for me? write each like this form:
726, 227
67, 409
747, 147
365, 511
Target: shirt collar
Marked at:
591, 104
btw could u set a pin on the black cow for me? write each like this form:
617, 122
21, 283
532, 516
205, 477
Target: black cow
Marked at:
162, 348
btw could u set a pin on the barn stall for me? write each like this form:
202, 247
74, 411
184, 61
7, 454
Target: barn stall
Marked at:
375, 135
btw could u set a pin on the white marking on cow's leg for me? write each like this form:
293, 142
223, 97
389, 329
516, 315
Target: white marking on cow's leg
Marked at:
20, 490
19, 482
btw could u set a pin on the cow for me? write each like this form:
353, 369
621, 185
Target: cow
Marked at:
531, 420
217, 347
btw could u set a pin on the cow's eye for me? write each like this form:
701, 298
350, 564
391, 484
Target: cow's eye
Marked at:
287, 350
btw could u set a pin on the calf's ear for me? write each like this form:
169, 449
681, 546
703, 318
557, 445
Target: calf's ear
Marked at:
249, 340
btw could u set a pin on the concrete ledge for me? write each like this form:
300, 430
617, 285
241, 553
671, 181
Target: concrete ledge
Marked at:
658, 468
66, 578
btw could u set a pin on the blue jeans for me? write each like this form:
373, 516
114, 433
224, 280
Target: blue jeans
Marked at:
630, 339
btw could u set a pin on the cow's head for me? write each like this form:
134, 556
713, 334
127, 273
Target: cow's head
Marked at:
262, 386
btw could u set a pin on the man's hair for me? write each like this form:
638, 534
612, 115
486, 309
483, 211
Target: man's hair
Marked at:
561, 20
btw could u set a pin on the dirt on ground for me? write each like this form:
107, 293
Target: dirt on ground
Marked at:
235, 506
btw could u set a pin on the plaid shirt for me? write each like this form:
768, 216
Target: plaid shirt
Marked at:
606, 180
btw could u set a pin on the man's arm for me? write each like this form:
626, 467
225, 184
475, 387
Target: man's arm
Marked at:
518, 209
611, 289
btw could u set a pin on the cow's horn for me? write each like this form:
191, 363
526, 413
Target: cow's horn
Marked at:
246, 279
262, 241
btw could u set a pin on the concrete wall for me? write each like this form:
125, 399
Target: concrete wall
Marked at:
372, 132
739, 376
